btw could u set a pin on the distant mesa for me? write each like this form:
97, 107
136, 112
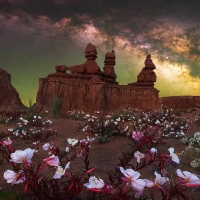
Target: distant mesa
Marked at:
10, 103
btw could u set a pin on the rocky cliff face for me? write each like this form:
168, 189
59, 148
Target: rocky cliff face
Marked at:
89, 89
10, 103
181, 102
93, 94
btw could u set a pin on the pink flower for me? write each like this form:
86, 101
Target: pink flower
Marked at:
132, 176
7, 142
137, 135
188, 179
20, 156
13, 177
138, 155
52, 160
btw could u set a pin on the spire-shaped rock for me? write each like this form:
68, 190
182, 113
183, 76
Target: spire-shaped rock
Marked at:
109, 65
147, 75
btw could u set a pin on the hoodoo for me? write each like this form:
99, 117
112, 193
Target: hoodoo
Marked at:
88, 88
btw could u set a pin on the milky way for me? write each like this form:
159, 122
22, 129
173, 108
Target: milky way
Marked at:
37, 35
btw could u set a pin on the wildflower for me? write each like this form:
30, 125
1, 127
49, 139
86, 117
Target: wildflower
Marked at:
60, 171
94, 183
153, 150
13, 177
132, 176
48, 122
173, 156
118, 119
52, 160
87, 115
20, 156
46, 146
138, 155
187, 178
23, 132
157, 122
7, 142
137, 135
197, 135
90, 139
160, 180
72, 141
67, 149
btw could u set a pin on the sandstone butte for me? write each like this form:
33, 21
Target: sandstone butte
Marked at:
86, 87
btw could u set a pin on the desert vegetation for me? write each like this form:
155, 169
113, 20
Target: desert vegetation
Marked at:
160, 158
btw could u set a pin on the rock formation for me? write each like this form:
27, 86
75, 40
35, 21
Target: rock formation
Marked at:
147, 76
89, 89
109, 65
181, 102
10, 103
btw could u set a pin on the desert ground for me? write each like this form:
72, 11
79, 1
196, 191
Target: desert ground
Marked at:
103, 156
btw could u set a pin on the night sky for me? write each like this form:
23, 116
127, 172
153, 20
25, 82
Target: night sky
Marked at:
36, 35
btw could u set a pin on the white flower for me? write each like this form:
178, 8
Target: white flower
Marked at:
23, 132
20, 156
48, 122
118, 119
173, 156
153, 150
90, 139
13, 177
197, 135
157, 122
25, 121
67, 149
87, 115
60, 171
95, 183
46, 146
159, 180
138, 155
132, 176
72, 141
